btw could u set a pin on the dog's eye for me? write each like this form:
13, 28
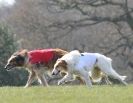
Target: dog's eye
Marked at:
12, 62
57, 66
19, 58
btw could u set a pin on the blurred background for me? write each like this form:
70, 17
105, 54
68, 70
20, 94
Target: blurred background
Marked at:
103, 26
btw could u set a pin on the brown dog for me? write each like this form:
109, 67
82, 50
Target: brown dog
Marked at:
36, 62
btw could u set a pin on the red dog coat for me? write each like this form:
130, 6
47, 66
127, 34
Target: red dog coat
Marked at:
40, 56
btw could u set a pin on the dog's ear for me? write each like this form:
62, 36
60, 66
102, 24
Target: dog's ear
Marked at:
24, 52
16, 53
63, 62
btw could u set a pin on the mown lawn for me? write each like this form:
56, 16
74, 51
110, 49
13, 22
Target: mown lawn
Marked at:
67, 94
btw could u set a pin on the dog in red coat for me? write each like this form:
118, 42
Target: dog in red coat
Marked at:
36, 62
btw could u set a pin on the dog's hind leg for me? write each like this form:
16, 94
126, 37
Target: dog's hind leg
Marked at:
42, 80
30, 79
106, 66
107, 80
111, 72
117, 76
40, 76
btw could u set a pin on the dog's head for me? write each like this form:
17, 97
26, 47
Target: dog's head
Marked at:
16, 60
60, 65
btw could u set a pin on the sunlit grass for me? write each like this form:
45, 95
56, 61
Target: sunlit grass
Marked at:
67, 94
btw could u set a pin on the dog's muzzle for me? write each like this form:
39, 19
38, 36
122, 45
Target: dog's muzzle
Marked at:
55, 72
8, 67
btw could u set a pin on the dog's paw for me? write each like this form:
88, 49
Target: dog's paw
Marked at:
60, 82
26, 86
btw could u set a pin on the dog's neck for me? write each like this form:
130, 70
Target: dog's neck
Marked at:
27, 58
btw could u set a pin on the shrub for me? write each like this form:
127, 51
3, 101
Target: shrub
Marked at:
7, 47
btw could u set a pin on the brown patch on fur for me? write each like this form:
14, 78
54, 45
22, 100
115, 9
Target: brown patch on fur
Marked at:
58, 53
96, 73
23, 52
62, 64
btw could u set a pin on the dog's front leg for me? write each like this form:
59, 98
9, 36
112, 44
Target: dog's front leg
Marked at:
30, 79
108, 82
86, 78
66, 78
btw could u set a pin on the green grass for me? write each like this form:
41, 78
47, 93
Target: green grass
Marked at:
67, 94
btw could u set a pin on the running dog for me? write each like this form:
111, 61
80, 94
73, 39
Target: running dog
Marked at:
36, 62
82, 63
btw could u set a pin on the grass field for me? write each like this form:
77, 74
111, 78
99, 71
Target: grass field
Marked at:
67, 94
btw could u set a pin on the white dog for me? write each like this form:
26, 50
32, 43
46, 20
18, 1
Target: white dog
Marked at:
82, 63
